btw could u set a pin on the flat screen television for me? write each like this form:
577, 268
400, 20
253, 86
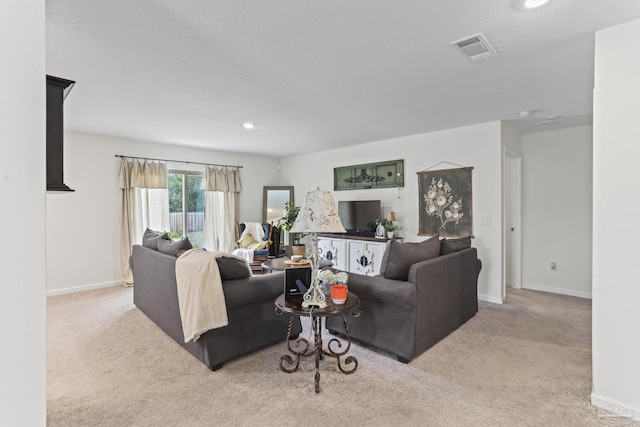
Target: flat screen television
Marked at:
359, 216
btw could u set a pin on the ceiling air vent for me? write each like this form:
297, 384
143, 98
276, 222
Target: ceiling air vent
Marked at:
551, 121
475, 47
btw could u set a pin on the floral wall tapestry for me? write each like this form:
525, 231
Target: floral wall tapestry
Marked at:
445, 203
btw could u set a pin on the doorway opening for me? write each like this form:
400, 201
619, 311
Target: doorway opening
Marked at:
512, 232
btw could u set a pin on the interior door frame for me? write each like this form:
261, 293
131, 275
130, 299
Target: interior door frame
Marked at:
512, 192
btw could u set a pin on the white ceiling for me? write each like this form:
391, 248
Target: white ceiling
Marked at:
314, 75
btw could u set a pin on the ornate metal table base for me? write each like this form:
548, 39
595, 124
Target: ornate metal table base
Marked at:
300, 348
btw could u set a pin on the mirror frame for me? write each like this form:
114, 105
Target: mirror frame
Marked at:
265, 198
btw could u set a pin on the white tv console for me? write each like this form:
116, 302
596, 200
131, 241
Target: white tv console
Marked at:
354, 254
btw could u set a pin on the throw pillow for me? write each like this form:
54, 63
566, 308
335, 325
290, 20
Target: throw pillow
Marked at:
399, 257
448, 246
150, 239
233, 268
246, 241
249, 242
258, 245
172, 248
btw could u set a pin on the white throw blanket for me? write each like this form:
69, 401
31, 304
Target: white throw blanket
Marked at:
200, 295
255, 228
244, 253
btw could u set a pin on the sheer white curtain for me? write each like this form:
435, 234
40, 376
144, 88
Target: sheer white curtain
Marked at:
144, 202
222, 186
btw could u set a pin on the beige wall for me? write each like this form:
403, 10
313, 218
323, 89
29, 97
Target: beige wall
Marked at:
82, 227
478, 146
557, 210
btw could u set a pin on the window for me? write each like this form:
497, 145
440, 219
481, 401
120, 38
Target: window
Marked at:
186, 206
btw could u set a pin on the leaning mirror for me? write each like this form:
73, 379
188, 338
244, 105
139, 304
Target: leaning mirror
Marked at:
273, 201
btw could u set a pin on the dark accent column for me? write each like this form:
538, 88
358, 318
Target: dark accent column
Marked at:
57, 90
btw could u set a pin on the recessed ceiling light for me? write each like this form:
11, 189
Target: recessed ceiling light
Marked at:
534, 3
248, 125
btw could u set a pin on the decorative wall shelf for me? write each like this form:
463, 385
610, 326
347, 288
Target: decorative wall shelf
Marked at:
370, 175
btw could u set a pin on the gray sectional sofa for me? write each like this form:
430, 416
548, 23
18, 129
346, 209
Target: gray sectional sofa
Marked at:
253, 323
425, 291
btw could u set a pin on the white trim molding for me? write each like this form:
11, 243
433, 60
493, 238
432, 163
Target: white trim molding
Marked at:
613, 408
491, 299
84, 288
554, 290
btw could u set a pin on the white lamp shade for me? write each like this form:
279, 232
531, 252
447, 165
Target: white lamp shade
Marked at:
318, 214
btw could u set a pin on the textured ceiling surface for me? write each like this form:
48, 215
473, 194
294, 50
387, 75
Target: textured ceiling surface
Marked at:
315, 75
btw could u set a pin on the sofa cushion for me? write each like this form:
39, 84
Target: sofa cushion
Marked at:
448, 246
233, 268
397, 293
150, 238
172, 248
398, 257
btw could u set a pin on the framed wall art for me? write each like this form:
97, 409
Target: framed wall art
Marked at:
445, 201
369, 175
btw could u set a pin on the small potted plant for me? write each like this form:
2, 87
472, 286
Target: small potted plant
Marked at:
385, 225
286, 223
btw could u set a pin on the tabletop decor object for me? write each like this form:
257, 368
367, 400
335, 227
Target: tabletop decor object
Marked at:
339, 293
390, 226
385, 227
318, 214
331, 278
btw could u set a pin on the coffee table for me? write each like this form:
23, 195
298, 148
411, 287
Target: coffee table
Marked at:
279, 264
302, 348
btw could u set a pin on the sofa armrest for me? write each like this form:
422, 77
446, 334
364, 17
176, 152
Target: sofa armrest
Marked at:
446, 293
447, 267
253, 290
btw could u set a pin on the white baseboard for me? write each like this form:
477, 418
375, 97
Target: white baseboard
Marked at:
83, 288
613, 408
562, 291
491, 299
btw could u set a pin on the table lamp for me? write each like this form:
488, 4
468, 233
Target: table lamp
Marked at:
318, 214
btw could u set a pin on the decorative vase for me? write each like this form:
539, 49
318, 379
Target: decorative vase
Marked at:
326, 287
298, 250
389, 234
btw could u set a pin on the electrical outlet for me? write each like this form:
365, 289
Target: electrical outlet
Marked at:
485, 221
553, 265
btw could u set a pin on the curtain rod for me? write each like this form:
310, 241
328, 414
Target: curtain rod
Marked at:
178, 161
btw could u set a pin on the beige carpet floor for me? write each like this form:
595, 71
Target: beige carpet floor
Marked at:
524, 363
